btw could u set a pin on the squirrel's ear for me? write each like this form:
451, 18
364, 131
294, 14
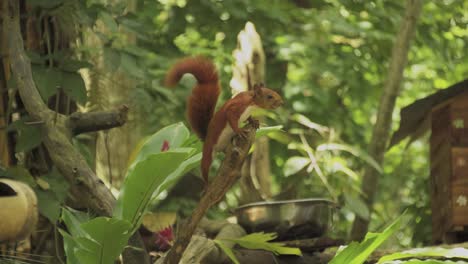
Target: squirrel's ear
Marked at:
258, 85
258, 89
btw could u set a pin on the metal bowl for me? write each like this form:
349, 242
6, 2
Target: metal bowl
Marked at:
290, 219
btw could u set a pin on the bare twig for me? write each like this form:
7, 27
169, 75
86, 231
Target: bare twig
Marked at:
106, 142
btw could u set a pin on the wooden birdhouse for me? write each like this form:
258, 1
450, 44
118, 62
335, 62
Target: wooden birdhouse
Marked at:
445, 113
449, 169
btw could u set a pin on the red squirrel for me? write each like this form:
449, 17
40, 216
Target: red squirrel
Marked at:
217, 130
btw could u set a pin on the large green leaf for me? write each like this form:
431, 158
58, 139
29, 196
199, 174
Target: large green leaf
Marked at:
174, 135
74, 86
263, 131
47, 80
50, 199
69, 246
107, 238
186, 166
48, 205
261, 241
73, 220
356, 205
109, 21
111, 58
227, 250
86, 250
29, 135
130, 65
458, 253
19, 173
358, 252
143, 180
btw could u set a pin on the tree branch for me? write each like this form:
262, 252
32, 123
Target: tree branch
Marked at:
86, 186
95, 121
227, 175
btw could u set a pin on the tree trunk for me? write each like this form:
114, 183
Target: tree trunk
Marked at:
109, 90
382, 126
248, 70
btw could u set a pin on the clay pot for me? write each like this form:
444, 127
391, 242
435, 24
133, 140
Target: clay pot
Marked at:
18, 210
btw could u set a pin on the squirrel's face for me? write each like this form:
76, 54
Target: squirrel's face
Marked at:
266, 98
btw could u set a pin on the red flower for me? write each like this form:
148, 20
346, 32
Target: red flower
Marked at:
164, 239
165, 146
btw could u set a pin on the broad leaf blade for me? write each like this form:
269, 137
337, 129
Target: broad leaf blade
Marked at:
459, 253
228, 251
74, 86
69, 246
357, 206
143, 179
261, 241
263, 131
110, 236
175, 135
357, 253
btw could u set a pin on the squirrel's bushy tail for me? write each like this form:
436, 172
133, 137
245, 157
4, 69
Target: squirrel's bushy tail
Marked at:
202, 102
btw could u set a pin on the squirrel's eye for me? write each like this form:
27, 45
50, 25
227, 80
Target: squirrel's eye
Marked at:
270, 96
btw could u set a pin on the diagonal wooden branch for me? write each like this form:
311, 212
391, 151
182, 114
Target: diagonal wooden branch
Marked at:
86, 186
227, 175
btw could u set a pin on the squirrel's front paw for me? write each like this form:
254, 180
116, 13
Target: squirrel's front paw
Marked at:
254, 122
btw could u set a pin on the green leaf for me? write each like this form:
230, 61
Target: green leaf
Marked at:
263, 131
294, 165
58, 184
144, 179
458, 253
303, 120
74, 86
74, 65
29, 135
48, 204
47, 80
175, 135
357, 206
19, 173
260, 241
163, 91
109, 21
111, 59
51, 200
109, 237
228, 251
352, 150
73, 220
86, 250
69, 246
130, 66
186, 166
357, 253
